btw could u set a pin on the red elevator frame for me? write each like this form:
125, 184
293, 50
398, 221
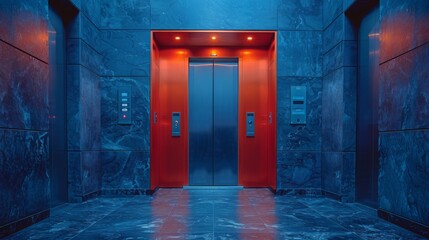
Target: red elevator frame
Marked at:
257, 93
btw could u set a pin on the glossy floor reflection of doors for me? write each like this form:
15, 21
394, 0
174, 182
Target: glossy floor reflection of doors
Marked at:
213, 122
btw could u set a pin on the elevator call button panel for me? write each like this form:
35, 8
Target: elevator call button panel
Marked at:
250, 124
298, 105
124, 105
175, 124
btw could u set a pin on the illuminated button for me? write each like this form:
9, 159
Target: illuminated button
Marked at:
124, 116
124, 94
124, 109
124, 99
124, 104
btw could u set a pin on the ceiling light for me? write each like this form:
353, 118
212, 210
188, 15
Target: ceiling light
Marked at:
177, 38
249, 38
214, 38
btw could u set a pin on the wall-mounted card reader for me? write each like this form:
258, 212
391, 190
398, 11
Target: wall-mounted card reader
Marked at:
124, 105
175, 124
250, 124
298, 105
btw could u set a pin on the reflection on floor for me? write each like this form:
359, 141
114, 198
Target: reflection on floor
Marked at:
213, 214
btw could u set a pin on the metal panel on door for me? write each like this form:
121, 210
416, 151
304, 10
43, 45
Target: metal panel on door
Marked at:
225, 110
201, 122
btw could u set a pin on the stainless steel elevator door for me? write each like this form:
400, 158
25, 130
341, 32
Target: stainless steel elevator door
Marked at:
213, 122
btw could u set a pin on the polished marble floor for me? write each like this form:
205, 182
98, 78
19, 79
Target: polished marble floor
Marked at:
213, 214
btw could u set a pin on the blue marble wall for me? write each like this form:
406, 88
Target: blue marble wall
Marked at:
126, 53
119, 14
298, 146
24, 110
125, 156
84, 66
220, 14
125, 47
403, 113
24, 175
299, 62
338, 101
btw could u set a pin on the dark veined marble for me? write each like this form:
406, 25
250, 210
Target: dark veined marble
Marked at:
24, 174
300, 15
24, 85
24, 24
83, 109
131, 14
91, 172
91, 8
331, 10
299, 53
220, 14
298, 170
125, 170
299, 137
404, 91
403, 26
213, 214
126, 52
344, 54
83, 28
338, 174
340, 30
80, 53
125, 137
84, 174
339, 110
404, 164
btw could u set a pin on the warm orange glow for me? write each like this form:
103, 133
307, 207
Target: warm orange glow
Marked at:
213, 54
214, 38
181, 52
177, 38
249, 38
247, 52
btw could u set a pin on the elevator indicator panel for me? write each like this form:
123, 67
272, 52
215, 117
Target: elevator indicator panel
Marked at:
250, 124
124, 105
175, 124
298, 105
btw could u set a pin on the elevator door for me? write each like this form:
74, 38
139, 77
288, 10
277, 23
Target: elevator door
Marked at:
213, 122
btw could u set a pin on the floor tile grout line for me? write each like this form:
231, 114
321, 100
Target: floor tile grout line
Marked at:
337, 223
92, 224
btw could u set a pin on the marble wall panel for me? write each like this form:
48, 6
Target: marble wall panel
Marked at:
404, 164
125, 170
126, 53
403, 26
131, 14
24, 174
220, 14
126, 137
24, 85
299, 137
300, 15
24, 24
299, 53
298, 170
404, 87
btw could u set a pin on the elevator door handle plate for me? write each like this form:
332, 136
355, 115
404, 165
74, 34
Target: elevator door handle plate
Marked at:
250, 126
175, 124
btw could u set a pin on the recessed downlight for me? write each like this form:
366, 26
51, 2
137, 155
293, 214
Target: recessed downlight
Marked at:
177, 37
249, 38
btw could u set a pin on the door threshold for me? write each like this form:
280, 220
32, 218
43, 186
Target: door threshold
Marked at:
213, 187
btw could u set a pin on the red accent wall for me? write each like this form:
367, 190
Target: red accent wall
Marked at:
257, 93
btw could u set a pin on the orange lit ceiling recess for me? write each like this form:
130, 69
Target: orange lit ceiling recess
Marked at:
259, 39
